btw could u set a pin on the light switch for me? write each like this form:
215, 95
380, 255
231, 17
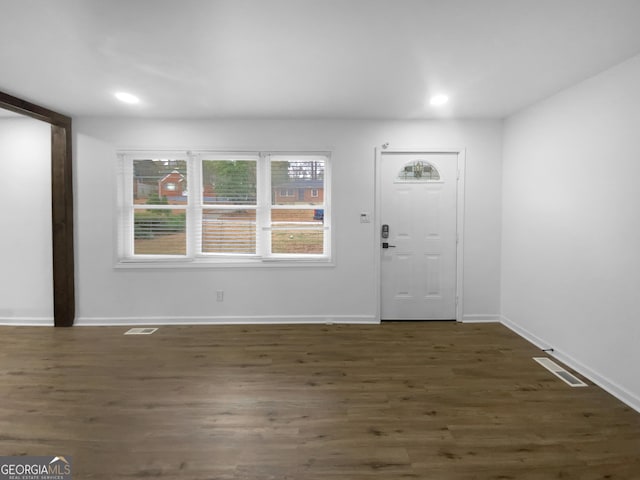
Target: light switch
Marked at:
365, 218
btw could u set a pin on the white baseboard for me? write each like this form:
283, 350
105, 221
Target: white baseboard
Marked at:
613, 388
537, 341
27, 321
481, 318
226, 320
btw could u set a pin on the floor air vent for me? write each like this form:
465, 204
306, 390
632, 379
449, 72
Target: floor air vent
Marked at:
140, 331
560, 372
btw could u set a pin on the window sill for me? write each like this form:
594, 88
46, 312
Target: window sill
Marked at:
190, 263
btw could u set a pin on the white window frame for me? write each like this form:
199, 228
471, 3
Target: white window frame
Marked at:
125, 210
200, 207
125, 257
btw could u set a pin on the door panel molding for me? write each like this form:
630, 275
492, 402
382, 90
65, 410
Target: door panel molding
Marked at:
460, 211
61, 203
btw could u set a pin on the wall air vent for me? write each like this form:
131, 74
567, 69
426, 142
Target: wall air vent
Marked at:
560, 372
140, 331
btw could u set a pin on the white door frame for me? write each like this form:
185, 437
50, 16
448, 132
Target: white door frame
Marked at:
461, 156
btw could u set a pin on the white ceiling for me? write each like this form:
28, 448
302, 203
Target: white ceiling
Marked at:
307, 58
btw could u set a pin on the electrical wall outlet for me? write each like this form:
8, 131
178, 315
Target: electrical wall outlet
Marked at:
220, 295
365, 217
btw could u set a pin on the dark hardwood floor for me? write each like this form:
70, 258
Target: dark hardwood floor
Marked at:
434, 401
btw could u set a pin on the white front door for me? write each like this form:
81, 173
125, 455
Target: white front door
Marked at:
418, 256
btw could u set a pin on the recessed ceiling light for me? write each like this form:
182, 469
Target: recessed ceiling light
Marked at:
127, 98
438, 100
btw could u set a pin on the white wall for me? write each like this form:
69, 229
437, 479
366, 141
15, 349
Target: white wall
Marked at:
26, 283
345, 292
571, 229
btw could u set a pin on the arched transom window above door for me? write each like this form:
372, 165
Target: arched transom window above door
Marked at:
418, 171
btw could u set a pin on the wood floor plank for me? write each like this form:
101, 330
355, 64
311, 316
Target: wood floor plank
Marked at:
442, 401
